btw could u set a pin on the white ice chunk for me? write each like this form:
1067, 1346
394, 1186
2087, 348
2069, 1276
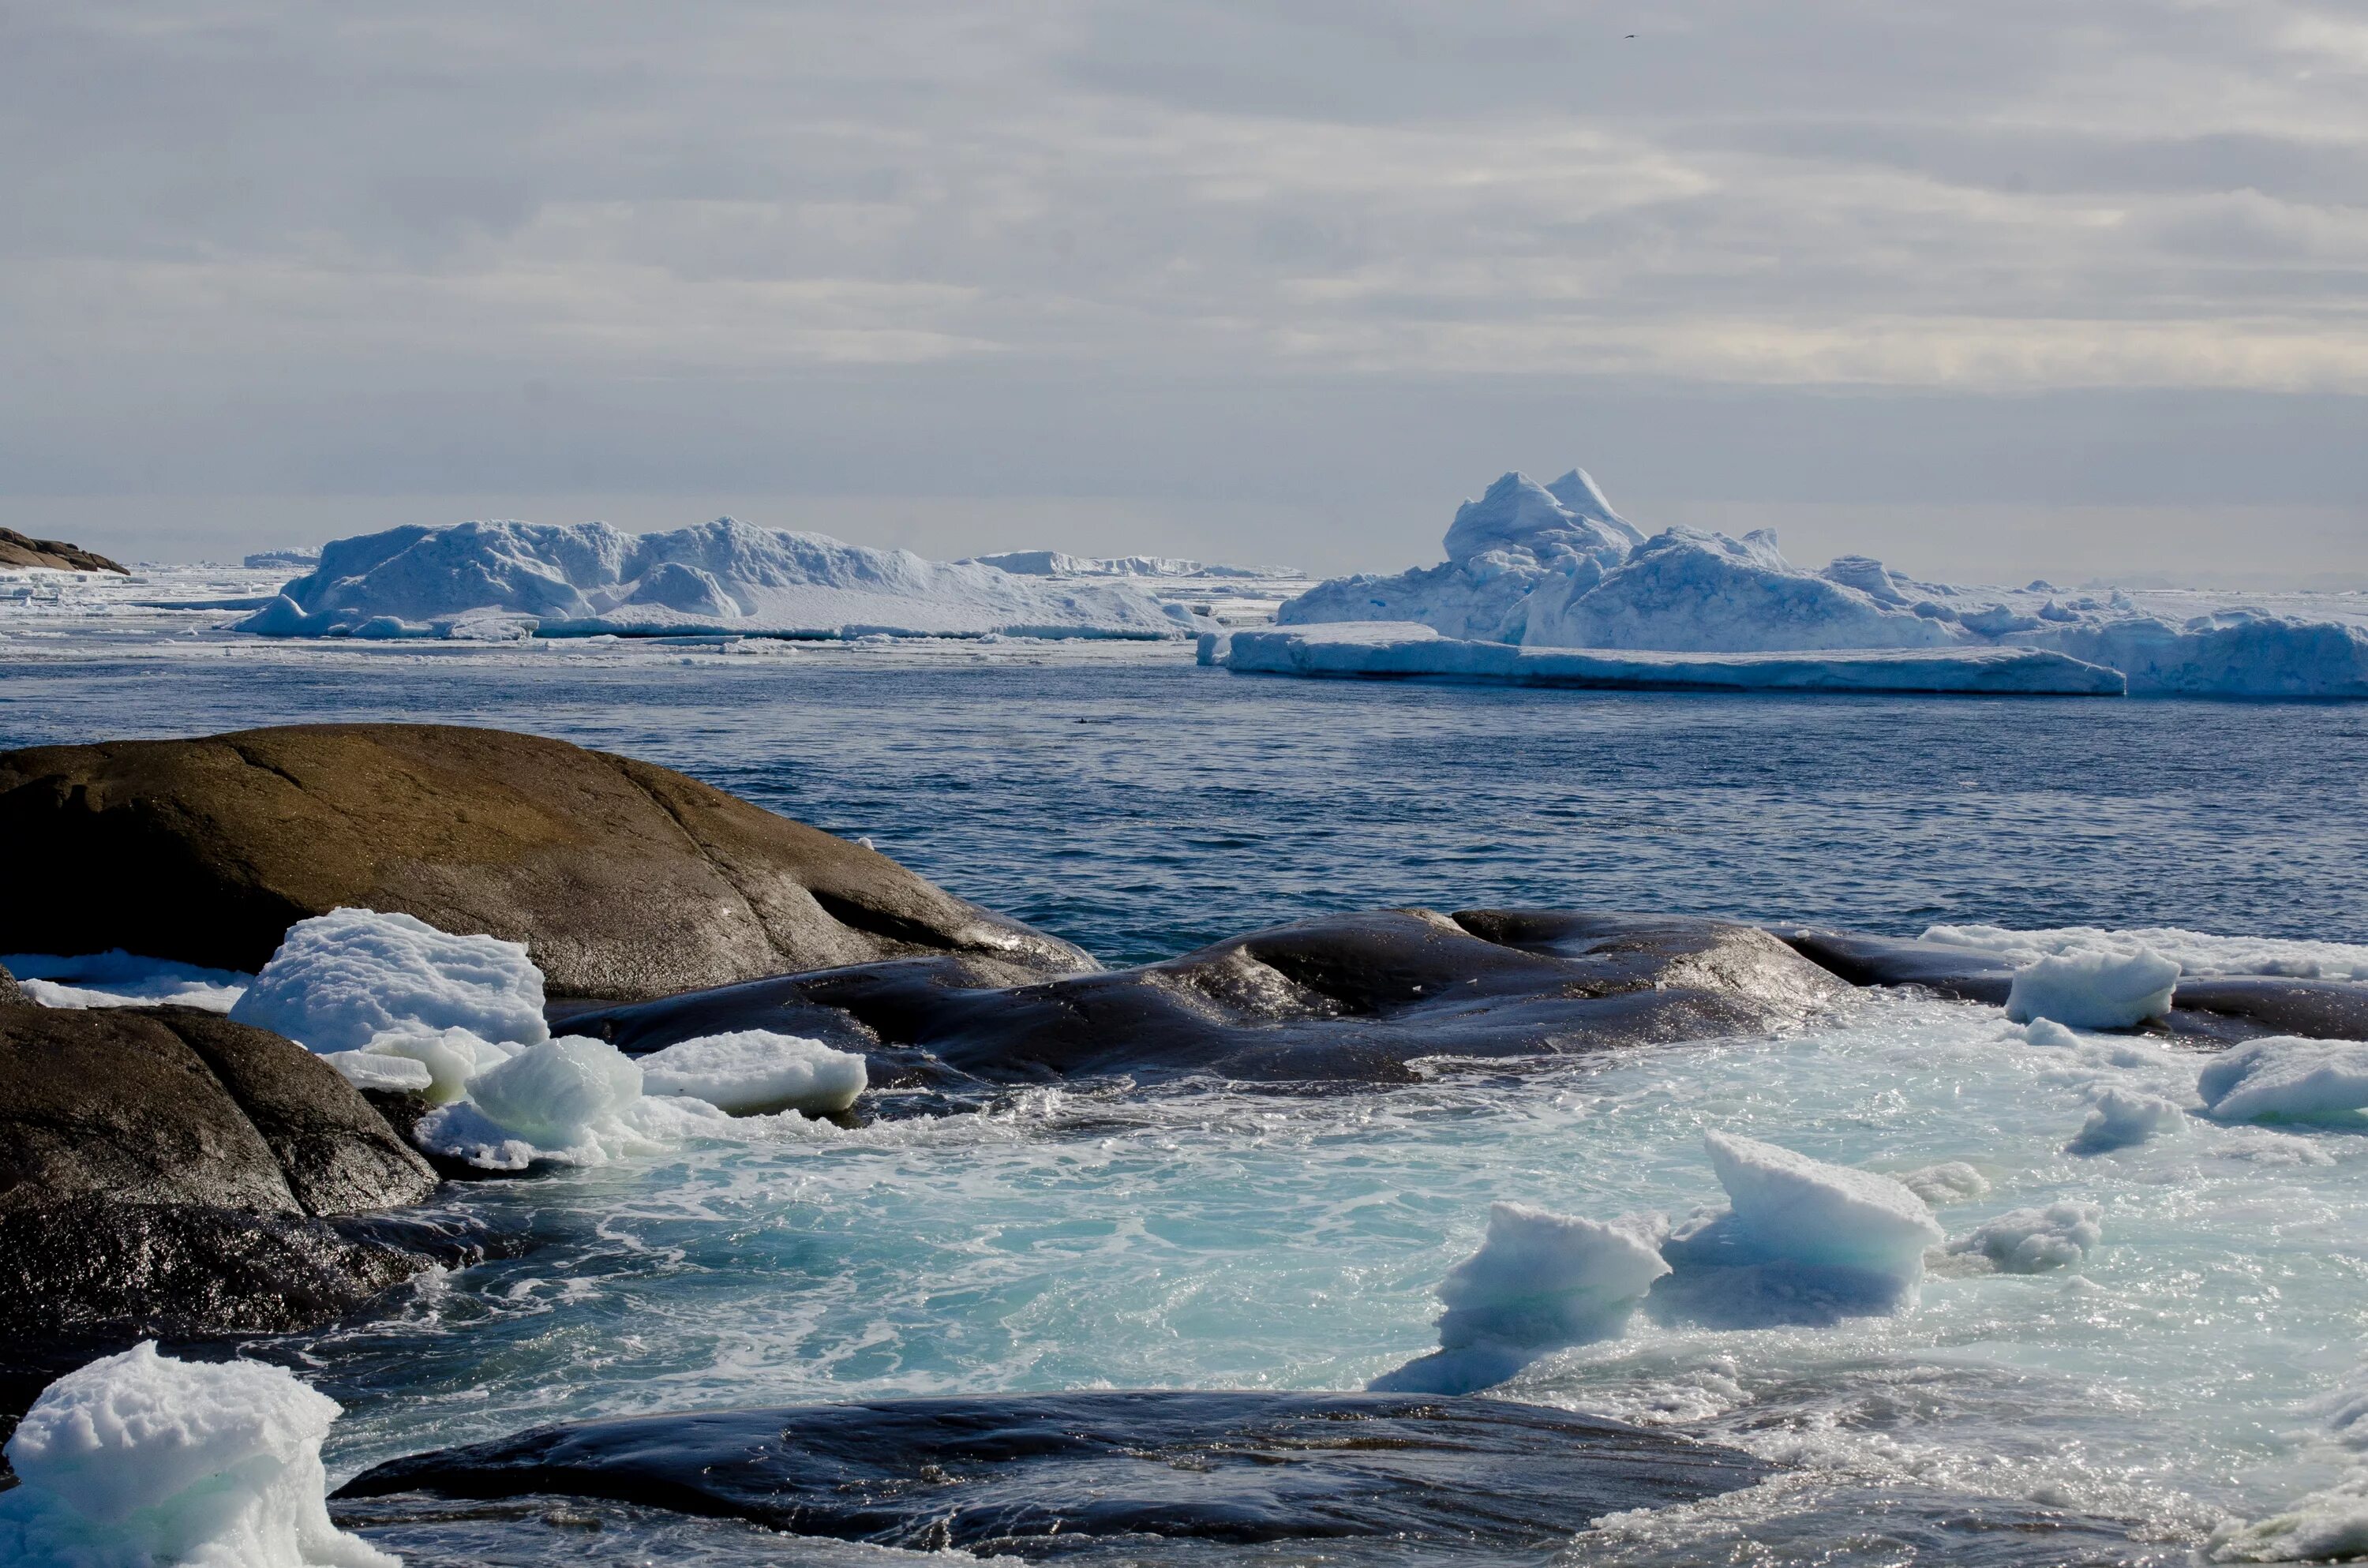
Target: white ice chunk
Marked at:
2101, 990
553, 1094
2286, 1079
1952, 1181
1801, 1242
118, 978
1540, 1281
2123, 1118
451, 1058
342, 979
139, 1460
753, 1070
2196, 953
2048, 1032
2032, 1241
369, 1070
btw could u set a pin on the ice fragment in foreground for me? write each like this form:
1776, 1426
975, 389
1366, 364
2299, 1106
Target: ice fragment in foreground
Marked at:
2285, 1078
140, 1459
2094, 990
342, 979
2122, 1119
752, 1071
2032, 1241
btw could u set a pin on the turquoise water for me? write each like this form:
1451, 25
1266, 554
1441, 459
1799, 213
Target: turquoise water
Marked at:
1203, 1237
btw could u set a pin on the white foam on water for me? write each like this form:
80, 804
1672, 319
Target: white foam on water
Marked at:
140, 1459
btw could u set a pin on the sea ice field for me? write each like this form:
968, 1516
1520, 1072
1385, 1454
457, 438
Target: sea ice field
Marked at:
2134, 1343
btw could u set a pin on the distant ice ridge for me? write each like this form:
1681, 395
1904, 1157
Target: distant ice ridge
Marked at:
1554, 566
2196, 953
393, 1002
1055, 563
138, 1460
1405, 650
497, 580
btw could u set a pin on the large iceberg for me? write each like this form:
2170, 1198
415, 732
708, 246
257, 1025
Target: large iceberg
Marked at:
495, 579
1554, 566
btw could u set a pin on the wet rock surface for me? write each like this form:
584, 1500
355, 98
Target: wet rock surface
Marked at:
1348, 998
1049, 1474
625, 880
2213, 1009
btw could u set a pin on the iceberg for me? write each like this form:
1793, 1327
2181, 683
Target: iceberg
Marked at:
1056, 563
504, 579
1555, 568
1801, 1242
1540, 1281
1405, 650
140, 1459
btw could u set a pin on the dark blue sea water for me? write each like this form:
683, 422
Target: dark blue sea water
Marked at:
1142, 809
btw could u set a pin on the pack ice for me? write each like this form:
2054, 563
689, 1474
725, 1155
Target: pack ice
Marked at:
1555, 566
494, 580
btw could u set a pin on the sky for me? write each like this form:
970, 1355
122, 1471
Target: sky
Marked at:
1989, 289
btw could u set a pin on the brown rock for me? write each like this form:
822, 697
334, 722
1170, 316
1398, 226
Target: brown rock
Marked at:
626, 881
23, 549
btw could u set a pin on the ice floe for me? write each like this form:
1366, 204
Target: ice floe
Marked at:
2098, 989
341, 979
496, 580
141, 1459
2196, 953
2032, 1240
118, 978
1553, 566
753, 1070
2123, 1118
2285, 1079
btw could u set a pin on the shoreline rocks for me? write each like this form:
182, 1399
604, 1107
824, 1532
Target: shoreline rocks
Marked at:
20, 551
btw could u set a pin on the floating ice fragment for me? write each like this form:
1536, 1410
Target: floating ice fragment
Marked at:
139, 1460
753, 1070
2122, 1119
2032, 1241
2099, 990
551, 1095
1540, 1281
341, 978
2048, 1032
2283, 1078
1801, 1242
118, 978
369, 1070
1952, 1181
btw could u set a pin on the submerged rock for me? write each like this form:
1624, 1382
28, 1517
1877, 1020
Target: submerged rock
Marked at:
625, 880
166, 1171
1350, 997
1039, 1474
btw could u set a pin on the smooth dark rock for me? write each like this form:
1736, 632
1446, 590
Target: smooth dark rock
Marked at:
1038, 1474
2230, 1010
20, 551
625, 880
163, 1171
11, 993
1351, 997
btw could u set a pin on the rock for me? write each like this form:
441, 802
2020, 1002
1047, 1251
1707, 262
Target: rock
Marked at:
22, 550
1351, 997
2225, 1008
11, 993
625, 880
166, 1171
1039, 1474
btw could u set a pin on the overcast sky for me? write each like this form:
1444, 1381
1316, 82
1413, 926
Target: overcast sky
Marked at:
1988, 287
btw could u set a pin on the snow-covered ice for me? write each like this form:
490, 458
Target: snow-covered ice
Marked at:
140, 1460
1540, 1281
341, 979
2094, 989
118, 978
1801, 1240
1555, 566
507, 579
1372, 649
551, 1095
2283, 1078
2032, 1240
2196, 953
1950, 1181
753, 1070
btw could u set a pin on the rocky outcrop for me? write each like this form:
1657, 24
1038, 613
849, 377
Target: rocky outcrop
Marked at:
11, 993
163, 1171
1039, 1474
625, 880
1343, 998
22, 550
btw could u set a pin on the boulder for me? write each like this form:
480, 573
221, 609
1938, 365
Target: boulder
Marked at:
625, 880
11, 993
166, 1171
22, 550
1353, 998
1063, 1473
